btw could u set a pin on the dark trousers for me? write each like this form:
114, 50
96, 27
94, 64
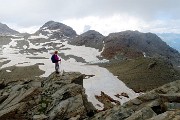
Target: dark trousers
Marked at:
57, 67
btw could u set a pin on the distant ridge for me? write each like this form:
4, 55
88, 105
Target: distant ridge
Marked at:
5, 30
90, 38
133, 44
57, 30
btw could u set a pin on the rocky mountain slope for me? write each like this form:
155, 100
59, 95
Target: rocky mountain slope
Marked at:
90, 38
162, 103
56, 30
133, 44
62, 97
5, 30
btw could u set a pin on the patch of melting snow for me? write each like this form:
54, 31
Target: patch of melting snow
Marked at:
53, 39
25, 46
8, 70
144, 54
87, 53
39, 36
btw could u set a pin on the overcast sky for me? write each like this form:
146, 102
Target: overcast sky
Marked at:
105, 16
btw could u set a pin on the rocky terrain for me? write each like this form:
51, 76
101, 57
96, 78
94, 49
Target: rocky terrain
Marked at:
59, 97
56, 30
133, 44
62, 97
14, 73
162, 103
5, 30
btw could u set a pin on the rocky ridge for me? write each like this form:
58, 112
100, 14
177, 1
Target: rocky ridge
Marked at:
162, 103
133, 44
56, 97
62, 97
5, 30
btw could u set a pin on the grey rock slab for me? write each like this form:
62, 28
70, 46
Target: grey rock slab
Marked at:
70, 108
40, 117
143, 114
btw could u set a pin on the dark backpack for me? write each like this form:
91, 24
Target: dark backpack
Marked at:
53, 59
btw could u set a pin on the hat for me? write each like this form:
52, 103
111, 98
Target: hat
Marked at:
56, 52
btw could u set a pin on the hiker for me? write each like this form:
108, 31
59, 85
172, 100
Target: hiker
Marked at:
55, 59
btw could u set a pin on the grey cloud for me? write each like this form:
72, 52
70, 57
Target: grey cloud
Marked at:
86, 28
35, 12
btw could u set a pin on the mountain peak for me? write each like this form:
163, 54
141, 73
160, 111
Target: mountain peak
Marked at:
5, 30
91, 38
92, 32
57, 28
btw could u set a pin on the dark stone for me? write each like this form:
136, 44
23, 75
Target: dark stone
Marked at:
158, 109
152, 65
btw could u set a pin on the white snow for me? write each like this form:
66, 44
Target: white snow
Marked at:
47, 30
13, 43
38, 36
102, 81
44, 28
50, 31
53, 39
25, 46
8, 71
87, 53
144, 54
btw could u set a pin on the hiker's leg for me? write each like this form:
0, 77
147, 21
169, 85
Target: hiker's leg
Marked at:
57, 67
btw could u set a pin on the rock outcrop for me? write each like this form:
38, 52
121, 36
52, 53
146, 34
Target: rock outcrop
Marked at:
59, 97
62, 97
162, 103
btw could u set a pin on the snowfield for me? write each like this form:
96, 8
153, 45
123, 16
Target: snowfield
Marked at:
102, 81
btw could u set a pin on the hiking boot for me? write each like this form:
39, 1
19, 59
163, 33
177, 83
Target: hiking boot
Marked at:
57, 72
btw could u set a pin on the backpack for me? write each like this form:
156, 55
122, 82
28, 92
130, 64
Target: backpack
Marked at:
53, 59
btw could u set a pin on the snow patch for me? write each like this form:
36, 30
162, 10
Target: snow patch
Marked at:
38, 36
144, 54
8, 70
89, 54
25, 46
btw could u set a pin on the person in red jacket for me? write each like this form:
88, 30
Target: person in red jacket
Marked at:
57, 59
